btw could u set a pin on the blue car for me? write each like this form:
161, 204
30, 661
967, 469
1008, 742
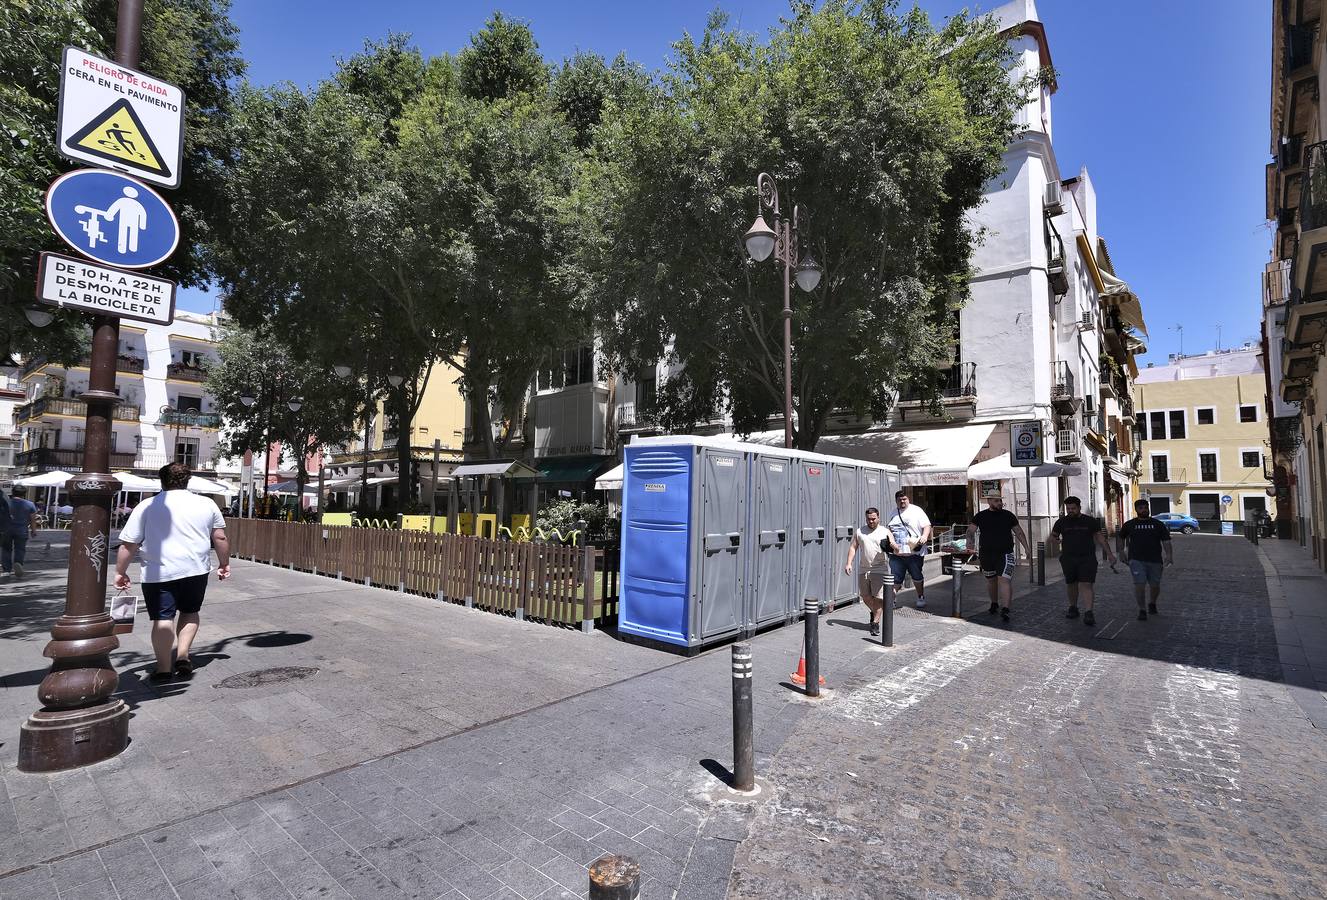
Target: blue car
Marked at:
1178, 522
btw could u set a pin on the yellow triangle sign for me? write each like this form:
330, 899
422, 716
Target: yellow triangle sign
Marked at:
118, 135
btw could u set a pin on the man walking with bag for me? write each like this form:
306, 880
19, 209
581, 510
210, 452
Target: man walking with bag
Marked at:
175, 532
909, 530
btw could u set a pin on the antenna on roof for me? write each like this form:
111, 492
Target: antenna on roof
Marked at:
1180, 329
1218, 337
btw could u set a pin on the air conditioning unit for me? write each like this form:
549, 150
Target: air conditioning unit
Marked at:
1053, 198
1087, 322
1057, 276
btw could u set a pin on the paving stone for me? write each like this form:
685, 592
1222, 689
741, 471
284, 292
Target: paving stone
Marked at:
568, 873
522, 878
578, 824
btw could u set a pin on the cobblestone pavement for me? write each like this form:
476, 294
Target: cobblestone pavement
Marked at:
1047, 759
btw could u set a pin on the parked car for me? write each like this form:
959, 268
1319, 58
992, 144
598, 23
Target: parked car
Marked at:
1178, 522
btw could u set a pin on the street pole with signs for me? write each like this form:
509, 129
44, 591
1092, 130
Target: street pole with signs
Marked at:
79, 722
1026, 451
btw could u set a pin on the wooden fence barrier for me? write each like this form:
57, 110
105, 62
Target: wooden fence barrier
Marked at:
550, 583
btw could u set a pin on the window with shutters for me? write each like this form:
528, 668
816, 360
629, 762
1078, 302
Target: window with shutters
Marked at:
1207, 466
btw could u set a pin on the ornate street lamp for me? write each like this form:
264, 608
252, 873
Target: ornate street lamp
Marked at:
782, 241
38, 316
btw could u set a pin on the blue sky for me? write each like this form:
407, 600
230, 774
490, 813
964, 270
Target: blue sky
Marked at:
1165, 103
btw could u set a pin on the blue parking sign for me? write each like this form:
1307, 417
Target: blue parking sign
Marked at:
112, 218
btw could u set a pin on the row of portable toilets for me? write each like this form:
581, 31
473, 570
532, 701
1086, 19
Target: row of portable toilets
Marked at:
721, 537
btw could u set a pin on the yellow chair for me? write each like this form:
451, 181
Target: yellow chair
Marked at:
336, 519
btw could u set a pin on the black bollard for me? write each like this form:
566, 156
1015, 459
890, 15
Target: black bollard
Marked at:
811, 607
887, 619
956, 572
1041, 563
614, 878
744, 777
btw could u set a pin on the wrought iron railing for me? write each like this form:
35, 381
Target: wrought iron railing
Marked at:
959, 381
183, 372
190, 419
1299, 46
1062, 382
1313, 192
69, 406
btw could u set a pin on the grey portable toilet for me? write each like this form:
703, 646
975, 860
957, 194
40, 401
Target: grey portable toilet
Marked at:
813, 540
720, 558
846, 511
772, 550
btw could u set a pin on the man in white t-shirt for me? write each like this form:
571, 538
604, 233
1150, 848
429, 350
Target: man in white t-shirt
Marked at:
174, 533
909, 530
870, 542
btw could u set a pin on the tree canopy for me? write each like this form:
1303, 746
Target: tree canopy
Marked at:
191, 43
884, 127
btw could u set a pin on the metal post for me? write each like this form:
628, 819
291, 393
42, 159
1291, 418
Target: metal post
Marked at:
433, 484
786, 237
744, 778
811, 606
956, 573
79, 724
1041, 563
614, 878
887, 614
1032, 569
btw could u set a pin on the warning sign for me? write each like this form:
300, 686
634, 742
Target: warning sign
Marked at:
118, 135
120, 118
69, 282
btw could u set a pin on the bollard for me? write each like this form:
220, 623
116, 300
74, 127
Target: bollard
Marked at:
956, 572
887, 614
614, 878
812, 621
744, 778
1041, 563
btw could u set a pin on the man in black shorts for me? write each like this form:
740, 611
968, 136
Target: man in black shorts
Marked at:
1078, 537
998, 527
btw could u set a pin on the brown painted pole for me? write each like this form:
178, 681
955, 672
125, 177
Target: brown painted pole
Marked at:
787, 335
79, 724
614, 878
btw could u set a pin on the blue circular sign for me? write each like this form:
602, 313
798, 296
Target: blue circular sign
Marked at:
112, 218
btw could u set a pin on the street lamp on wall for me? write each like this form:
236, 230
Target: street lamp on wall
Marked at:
782, 242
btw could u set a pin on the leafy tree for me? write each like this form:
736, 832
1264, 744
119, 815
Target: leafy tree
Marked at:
191, 43
884, 126
259, 364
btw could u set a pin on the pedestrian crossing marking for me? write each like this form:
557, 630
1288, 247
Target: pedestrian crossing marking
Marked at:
118, 135
892, 694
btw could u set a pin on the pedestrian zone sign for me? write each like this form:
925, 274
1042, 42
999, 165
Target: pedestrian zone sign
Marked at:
120, 118
1025, 444
112, 218
76, 283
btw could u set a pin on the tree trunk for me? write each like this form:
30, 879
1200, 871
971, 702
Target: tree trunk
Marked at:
477, 393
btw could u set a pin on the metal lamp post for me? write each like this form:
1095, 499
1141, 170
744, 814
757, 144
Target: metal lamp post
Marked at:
782, 241
79, 722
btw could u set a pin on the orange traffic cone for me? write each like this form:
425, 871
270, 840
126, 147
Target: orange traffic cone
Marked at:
799, 677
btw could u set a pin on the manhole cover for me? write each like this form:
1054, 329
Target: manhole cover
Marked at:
279, 675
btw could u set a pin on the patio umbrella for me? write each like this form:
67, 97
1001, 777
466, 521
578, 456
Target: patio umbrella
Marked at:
206, 486
45, 479
131, 482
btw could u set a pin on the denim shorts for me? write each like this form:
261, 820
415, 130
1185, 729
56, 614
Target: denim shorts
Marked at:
1145, 572
906, 565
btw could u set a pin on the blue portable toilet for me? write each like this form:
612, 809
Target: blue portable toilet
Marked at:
720, 537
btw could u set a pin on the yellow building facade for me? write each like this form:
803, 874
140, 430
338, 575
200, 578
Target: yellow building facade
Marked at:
1204, 436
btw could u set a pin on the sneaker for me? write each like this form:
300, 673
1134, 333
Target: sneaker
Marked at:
875, 629
995, 607
921, 602
1089, 619
1004, 613
18, 570
1152, 608
1072, 613
1142, 615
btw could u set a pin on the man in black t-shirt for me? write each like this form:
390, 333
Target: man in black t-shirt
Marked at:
1078, 537
998, 527
1143, 542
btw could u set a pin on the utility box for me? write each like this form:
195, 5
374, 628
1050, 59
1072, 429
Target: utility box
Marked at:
720, 537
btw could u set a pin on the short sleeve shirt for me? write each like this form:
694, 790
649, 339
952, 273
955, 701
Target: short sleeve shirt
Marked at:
870, 546
174, 531
997, 529
1077, 534
1143, 537
907, 526
21, 512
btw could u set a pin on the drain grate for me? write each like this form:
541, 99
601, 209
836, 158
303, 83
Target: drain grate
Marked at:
260, 677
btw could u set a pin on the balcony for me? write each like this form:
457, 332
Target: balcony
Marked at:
1165, 476
62, 406
125, 365
1276, 282
190, 419
1068, 445
634, 418
1299, 46
951, 393
1287, 434
1064, 394
46, 459
11, 389
1291, 154
183, 372
1094, 419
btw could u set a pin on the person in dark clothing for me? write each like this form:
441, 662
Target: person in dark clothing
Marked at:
1143, 543
998, 528
1077, 536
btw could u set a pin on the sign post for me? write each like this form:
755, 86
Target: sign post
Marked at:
1026, 450
80, 722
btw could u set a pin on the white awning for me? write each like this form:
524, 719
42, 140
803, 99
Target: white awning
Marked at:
926, 457
498, 467
999, 469
610, 480
1131, 308
131, 482
45, 479
206, 486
